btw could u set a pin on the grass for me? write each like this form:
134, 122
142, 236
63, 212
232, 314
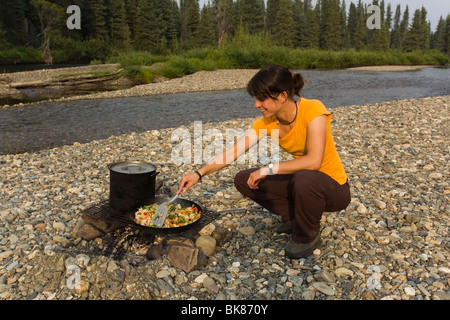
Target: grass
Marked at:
233, 56
242, 51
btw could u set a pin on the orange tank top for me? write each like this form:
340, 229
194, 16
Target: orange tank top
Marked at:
295, 141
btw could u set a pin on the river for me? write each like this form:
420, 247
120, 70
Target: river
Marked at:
52, 124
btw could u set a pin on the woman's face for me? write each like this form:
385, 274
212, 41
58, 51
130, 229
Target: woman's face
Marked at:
269, 107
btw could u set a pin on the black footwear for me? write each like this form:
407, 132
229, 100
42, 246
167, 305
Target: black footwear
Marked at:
298, 250
286, 227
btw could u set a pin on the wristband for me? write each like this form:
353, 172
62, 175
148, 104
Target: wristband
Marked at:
199, 175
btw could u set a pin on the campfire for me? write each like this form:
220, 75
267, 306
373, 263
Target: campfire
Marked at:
186, 247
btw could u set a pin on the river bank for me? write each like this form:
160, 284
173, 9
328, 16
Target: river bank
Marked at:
227, 79
391, 243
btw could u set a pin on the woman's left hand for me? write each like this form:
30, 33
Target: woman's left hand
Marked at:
255, 178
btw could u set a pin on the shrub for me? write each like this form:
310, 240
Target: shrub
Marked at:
177, 67
138, 74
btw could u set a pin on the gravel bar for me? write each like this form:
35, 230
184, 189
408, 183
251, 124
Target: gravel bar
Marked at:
391, 243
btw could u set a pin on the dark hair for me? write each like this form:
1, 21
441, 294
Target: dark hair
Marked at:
272, 80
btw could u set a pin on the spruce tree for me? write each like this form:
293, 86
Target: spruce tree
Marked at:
395, 32
250, 13
356, 28
283, 26
439, 36
206, 32
271, 13
447, 35
331, 31
131, 9
119, 30
311, 38
192, 21
99, 28
299, 17
418, 36
171, 16
12, 15
147, 32
403, 28
379, 39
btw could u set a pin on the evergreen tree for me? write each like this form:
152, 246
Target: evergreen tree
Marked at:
131, 9
379, 39
99, 28
206, 31
191, 25
388, 20
343, 21
447, 37
311, 37
3, 41
356, 27
12, 16
119, 30
250, 13
395, 32
403, 28
283, 26
299, 17
147, 32
331, 35
418, 36
439, 36
271, 13
173, 24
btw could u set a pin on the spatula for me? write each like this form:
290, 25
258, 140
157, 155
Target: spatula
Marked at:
161, 212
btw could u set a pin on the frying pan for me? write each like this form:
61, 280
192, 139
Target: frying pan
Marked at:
184, 204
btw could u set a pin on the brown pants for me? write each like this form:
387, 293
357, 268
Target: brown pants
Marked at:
303, 196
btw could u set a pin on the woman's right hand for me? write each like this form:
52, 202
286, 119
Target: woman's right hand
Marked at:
187, 181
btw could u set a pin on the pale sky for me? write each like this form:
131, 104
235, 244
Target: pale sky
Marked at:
435, 8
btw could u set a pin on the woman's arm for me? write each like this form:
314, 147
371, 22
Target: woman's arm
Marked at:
221, 161
312, 160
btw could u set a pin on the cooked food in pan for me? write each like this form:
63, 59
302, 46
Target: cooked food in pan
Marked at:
177, 216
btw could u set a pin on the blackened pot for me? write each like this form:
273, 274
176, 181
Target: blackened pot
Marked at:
131, 184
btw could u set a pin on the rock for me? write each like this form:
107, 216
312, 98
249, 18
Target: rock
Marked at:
221, 235
247, 231
86, 231
324, 276
163, 273
186, 257
439, 295
362, 209
207, 230
207, 244
155, 251
343, 272
62, 241
410, 291
325, 289
380, 204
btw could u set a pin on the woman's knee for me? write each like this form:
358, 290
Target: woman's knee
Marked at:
241, 178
